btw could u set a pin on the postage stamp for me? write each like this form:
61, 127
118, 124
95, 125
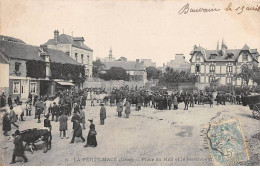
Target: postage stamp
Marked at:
226, 142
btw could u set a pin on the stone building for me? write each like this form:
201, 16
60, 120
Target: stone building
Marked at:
179, 64
148, 62
73, 47
221, 64
137, 72
15, 56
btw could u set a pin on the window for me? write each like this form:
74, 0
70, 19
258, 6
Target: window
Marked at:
229, 80
212, 68
211, 79
16, 87
33, 87
197, 68
82, 58
244, 67
197, 57
197, 78
230, 69
76, 56
88, 58
17, 66
245, 57
87, 72
212, 56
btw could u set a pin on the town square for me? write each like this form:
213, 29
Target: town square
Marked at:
100, 83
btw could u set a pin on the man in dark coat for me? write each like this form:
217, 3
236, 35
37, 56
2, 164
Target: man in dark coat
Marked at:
30, 96
47, 122
77, 131
103, 114
10, 102
186, 101
6, 122
76, 127
169, 102
38, 109
18, 147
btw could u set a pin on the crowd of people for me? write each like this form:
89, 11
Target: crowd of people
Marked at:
70, 103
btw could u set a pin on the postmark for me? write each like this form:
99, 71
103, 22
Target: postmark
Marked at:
226, 142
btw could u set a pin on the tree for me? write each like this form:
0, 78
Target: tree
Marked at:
256, 75
98, 66
174, 77
122, 58
152, 73
248, 73
115, 73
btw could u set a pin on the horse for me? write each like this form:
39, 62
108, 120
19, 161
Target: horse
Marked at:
32, 136
207, 99
20, 110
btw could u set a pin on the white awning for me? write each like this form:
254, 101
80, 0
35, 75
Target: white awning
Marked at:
66, 83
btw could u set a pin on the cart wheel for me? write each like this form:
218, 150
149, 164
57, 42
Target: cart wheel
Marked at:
256, 111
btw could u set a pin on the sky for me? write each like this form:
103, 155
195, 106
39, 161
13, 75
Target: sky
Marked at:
136, 29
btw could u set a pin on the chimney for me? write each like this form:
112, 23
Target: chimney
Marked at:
56, 36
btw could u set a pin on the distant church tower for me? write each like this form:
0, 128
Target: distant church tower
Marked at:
110, 56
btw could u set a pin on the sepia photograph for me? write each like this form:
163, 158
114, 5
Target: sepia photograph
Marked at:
129, 83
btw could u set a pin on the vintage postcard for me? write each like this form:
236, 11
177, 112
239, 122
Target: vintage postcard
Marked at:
129, 83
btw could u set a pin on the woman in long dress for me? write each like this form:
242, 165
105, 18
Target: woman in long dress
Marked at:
91, 139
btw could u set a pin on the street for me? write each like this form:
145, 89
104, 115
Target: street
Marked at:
148, 137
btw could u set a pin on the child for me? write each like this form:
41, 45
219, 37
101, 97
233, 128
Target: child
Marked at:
28, 107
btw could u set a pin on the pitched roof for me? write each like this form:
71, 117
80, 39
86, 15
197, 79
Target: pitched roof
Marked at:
128, 65
60, 57
224, 55
11, 39
4, 58
67, 39
29, 52
20, 51
245, 47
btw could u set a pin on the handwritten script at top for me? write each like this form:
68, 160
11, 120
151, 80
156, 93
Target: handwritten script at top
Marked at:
239, 9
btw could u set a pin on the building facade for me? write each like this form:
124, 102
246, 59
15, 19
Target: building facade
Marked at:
4, 73
75, 48
221, 64
15, 57
179, 64
148, 63
137, 72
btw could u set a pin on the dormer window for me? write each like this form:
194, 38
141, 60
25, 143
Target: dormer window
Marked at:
197, 57
229, 56
245, 57
212, 56
17, 66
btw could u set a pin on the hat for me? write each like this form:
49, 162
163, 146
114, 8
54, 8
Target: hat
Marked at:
47, 116
91, 120
101, 104
17, 132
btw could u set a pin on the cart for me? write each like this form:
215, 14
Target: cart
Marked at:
254, 104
